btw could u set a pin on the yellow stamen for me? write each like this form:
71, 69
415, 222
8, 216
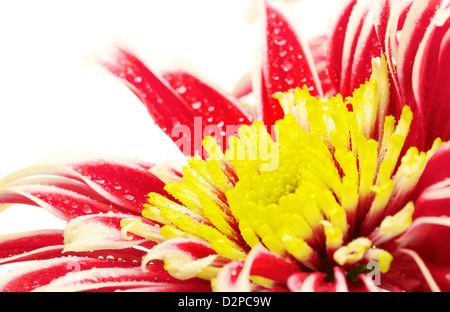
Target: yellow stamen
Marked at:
381, 256
353, 252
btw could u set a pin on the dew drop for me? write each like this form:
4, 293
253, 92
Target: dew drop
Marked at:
196, 105
287, 65
289, 80
87, 209
181, 89
280, 41
137, 79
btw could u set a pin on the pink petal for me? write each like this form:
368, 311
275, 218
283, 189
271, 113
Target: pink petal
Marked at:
183, 104
286, 63
336, 42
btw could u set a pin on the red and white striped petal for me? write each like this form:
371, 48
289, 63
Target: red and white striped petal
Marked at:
47, 244
318, 46
40, 273
434, 201
215, 110
60, 202
336, 42
33, 245
367, 48
83, 185
235, 276
286, 62
103, 231
184, 258
430, 76
416, 24
87, 274
113, 279
352, 34
426, 245
436, 170
176, 100
316, 282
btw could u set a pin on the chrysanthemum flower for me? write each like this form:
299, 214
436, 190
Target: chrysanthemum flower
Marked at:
334, 180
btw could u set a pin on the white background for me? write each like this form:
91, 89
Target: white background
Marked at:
52, 101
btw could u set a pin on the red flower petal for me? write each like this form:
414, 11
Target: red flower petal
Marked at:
235, 276
286, 63
34, 245
438, 113
367, 47
175, 103
86, 186
436, 170
86, 274
426, 243
317, 282
60, 202
102, 231
113, 279
218, 111
434, 201
47, 244
41, 273
336, 42
352, 34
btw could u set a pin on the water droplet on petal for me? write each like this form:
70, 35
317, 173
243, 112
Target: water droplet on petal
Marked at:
287, 65
181, 89
280, 41
196, 105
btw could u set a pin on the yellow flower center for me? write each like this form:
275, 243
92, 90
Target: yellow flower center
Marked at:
326, 188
